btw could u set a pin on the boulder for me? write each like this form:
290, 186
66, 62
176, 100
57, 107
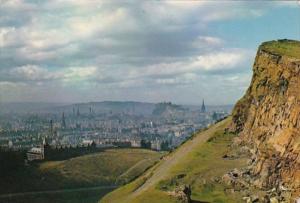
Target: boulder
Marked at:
182, 193
274, 200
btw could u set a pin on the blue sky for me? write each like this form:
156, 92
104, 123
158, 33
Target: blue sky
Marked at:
179, 51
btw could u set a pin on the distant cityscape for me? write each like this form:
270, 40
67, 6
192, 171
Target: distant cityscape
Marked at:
161, 126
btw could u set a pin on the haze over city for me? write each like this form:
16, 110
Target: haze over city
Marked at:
80, 51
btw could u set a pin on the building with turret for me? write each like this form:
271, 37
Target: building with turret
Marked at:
36, 153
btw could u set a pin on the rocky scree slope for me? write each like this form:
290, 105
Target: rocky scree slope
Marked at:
267, 119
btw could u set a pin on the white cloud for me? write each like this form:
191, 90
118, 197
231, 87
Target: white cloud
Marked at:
207, 42
210, 40
229, 12
79, 73
288, 3
16, 5
182, 79
221, 60
8, 36
33, 73
116, 44
8, 84
114, 20
45, 39
67, 75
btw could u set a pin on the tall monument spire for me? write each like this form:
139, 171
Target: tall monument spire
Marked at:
51, 127
203, 109
63, 120
78, 113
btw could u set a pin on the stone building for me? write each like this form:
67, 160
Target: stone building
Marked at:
36, 153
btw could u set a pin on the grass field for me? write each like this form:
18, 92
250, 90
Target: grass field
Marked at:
103, 168
197, 162
91, 195
283, 47
111, 167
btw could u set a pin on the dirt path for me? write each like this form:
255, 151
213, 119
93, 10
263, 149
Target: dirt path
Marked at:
163, 169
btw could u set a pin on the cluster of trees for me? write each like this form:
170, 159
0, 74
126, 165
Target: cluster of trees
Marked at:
10, 161
165, 146
215, 116
147, 145
122, 144
62, 153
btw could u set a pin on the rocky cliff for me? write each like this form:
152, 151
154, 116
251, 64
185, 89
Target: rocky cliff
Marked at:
267, 118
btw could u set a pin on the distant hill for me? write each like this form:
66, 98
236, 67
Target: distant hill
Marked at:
129, 107
25, 107
167, 108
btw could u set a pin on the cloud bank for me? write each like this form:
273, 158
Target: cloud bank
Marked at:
77, 50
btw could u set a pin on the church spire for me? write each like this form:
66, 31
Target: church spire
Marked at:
78, 113
51, 127
203, 109
63, 120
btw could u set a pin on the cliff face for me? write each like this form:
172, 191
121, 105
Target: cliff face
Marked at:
267, 118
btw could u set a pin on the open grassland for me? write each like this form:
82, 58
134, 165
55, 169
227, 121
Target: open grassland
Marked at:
86, 195
283, 47
110, 167
197, 163
103, 168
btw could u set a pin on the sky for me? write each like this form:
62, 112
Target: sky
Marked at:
69, 51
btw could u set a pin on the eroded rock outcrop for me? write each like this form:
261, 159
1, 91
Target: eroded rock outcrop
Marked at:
182, 193
267, 118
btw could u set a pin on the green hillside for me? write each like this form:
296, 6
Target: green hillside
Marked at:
111, 167
103, 168
198, 163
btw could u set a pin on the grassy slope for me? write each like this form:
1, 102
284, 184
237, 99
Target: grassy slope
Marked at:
86, 196
102, 168
105, 167
199, 160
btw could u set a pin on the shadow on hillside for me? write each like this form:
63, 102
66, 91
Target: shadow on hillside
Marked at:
196, 201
